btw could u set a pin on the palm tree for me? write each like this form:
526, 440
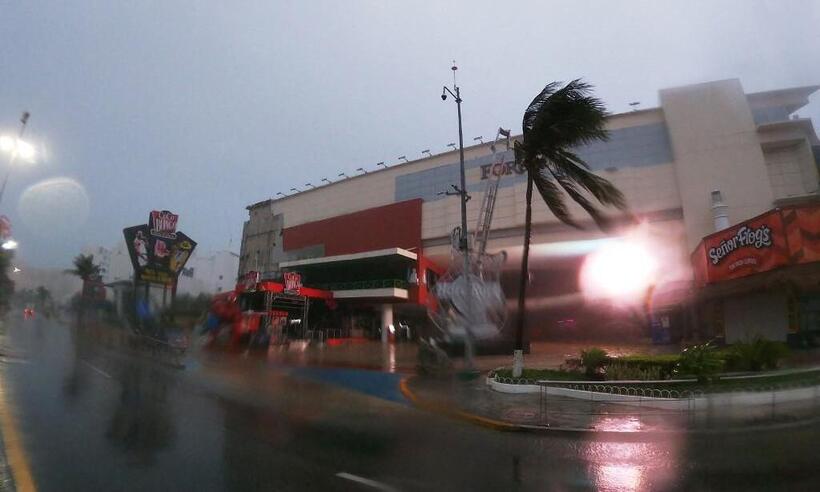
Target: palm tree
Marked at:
86, 269
556, 121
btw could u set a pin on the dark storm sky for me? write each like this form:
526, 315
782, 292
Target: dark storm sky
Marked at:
205, 107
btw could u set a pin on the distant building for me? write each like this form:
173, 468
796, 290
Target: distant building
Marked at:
209, 273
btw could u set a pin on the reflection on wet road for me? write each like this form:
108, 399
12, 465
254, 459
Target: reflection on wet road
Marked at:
99, 419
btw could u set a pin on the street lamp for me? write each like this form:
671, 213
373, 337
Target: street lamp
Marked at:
278, 193
9, 245
16, 147
362, 170
343, 175
463, 245
402, 157
426, 151
308, 184
327, 180
452, 145
479, 139
294, 190
381, 164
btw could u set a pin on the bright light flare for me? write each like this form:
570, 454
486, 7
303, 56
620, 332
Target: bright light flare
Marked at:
9, 245
620, 271
6, 143
16, 270
18, 148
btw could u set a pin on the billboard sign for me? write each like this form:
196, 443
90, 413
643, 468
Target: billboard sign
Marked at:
754, 246
163, 224
158, 252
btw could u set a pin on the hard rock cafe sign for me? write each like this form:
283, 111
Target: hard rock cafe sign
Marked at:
158, 251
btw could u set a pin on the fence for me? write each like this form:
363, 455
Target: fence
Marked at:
325, 334
659, 406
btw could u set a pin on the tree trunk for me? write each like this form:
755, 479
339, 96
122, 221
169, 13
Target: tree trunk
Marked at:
525, 261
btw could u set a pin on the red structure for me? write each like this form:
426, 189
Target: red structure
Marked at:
780, 237
391, 226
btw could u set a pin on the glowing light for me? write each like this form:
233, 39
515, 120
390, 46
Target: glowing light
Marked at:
18, 148
6, 143
621, 271
9, 245
16, 270
25, 150
569, 248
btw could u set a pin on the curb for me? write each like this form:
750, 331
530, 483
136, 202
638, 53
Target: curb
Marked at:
638, 435
434, 407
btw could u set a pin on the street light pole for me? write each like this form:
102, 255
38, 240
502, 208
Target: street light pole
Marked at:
13, 157
469, 349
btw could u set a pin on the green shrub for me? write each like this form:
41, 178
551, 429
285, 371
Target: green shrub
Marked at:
757, 355
619, 370
665, 364
701, 361
594, 360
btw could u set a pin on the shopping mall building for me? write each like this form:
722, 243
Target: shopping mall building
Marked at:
693, 169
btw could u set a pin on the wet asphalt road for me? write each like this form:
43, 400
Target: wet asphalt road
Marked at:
94, 419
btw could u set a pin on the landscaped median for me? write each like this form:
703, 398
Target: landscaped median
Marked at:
692, 380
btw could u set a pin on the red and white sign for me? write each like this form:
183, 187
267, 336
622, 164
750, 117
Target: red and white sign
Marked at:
293, 281
249, 280
753, 246
5, 227
163, 224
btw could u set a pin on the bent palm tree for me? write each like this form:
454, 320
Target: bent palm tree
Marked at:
556, 121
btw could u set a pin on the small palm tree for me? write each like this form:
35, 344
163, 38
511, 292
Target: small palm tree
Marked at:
84, 267
87, 270
556, 121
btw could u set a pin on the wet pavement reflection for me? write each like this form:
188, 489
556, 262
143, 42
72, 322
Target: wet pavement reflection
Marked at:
97, 417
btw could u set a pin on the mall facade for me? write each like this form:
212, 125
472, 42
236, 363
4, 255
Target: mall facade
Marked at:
693, 170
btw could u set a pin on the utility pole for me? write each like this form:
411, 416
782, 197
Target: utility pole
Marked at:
469, 349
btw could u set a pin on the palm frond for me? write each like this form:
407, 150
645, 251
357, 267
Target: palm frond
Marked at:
553, 197
564, 117
602, 221
574, 168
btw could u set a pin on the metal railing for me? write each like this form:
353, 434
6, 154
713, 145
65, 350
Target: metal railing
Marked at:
324, 334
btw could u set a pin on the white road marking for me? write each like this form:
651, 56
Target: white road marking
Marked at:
96, 369
366, 481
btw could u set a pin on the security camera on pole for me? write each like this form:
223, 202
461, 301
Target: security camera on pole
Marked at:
463, 242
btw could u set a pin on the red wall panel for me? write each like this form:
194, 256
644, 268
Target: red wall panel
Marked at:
396, 225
